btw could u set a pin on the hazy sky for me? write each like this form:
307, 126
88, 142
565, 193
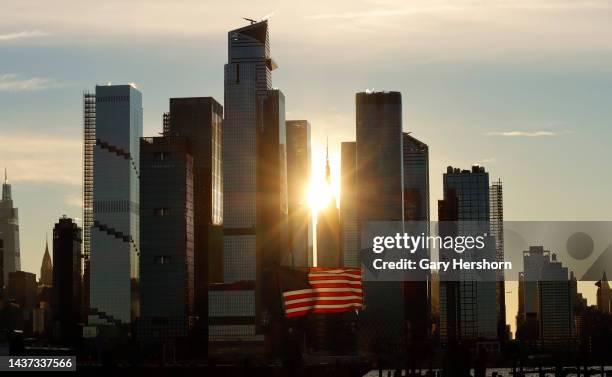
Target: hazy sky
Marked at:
522, 87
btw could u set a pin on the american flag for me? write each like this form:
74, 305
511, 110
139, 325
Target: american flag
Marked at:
324, 290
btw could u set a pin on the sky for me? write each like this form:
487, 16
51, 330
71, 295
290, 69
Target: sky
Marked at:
521, 87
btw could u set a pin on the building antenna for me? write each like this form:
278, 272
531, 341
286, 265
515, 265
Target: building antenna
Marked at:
5, 177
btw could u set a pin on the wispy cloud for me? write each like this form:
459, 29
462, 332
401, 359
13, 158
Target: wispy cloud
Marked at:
40, 158
528, 133
10, 82
22, 35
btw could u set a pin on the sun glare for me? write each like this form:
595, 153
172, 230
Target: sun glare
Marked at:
319, 195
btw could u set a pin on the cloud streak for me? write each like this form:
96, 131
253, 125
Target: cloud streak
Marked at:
10, 82
25, 34
40, 159
527, 133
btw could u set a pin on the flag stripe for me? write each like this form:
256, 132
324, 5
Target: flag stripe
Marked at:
330, 291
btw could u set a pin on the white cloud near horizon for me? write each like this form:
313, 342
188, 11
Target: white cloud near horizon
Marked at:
11, 82
22, 35
41, 159
527, 133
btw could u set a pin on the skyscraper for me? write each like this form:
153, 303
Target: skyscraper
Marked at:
328, 228
416, 210
298, 178
199, 119
167, 236
547, 296
272, 243
46, 268
66, 303
496, 198
604, 295
468, 307
380, 198
349, 226
9, 230
115, 236
254, 150
89, 144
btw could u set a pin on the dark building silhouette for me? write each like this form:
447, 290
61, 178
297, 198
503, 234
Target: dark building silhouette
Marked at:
328, 229
546, 296
1, 268
417, 291
46, 268
272, 232
604, 295
167, 231
200, 119
349, 226
380, 198
66, 302
467, 306
298, 179
22, 289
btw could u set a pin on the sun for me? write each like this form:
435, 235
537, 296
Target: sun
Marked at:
319, 195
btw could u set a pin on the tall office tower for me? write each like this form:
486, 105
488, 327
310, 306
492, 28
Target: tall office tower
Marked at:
417, 290
9, 230
89, 143
115, 235
604, 295
496, 198
328, 228
380, 198
46, 268
248, 80
547, 296
298, 179
199, 119
349, 226
167, 237
416, 179
272, 231
467, 308
66, 303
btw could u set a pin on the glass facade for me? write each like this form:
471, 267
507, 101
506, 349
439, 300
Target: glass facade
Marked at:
9, 232
468, 308
349, 227
380, 198
248, 77
115, 234
298, 179
167, 223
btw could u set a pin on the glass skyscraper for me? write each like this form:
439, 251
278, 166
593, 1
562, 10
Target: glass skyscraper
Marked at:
298, 179
468, 309
416, 210
115, 235
380, 198
254, 177
9, 231
167, 247
349, 226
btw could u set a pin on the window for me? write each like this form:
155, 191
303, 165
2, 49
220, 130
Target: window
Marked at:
162, 259
161, 156
161, 211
